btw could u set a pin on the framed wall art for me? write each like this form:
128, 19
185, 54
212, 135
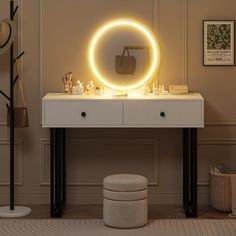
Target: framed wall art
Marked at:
218, 42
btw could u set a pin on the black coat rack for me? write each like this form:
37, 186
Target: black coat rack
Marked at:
10, 108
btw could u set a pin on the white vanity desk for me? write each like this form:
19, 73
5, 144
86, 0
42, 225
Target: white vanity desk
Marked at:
62, 111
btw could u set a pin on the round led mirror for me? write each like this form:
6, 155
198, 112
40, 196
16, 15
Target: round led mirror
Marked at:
124, 54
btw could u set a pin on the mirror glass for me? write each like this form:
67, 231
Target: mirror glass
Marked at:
123, 56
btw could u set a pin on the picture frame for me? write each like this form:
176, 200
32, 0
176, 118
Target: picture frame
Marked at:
219, 42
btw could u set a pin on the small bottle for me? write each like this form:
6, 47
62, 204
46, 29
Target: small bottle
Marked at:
98, 91
146, 90
74, 90
155, 89
90, 88
80, 87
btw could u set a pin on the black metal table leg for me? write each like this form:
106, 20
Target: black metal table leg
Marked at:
57, 171
185, 167
52, 174
193, 176
190, 171
64, 168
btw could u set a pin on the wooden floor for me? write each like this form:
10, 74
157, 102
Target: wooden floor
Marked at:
95, 212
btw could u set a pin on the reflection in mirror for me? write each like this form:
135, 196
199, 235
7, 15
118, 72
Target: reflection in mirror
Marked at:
126, 63
123, 55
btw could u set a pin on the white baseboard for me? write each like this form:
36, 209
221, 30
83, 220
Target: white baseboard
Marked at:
78, 198
26, 199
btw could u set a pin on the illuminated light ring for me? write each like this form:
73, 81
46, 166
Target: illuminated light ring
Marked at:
154, 45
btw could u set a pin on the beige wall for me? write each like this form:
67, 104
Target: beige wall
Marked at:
155, 153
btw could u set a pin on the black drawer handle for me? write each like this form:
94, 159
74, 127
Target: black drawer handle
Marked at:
83, 114
162, 114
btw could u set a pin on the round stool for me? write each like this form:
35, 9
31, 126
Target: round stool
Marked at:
125, 201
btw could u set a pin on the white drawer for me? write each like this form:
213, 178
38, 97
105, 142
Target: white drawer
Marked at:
163, 113
82, 113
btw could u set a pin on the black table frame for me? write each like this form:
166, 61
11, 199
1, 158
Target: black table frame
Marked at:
58, 171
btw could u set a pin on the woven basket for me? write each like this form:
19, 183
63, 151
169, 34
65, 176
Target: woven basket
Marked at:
220, 191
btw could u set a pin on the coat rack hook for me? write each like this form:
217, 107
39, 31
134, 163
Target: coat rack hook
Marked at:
14, 12
19, 56
1, 92
8, 108
16, 78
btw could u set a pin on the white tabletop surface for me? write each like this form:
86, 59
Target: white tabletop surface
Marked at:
68, 97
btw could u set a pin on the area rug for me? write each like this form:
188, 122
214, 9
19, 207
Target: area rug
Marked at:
66, 227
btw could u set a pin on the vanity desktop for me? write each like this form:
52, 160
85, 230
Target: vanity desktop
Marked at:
61, 111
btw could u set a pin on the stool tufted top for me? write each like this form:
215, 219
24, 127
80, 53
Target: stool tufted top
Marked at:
125, 182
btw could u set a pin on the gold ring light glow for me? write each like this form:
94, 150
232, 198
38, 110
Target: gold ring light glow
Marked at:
155, 60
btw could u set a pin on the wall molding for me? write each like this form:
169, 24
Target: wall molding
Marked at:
155, 16
41, 52
217, 141
221, 123
43, 162
41, 56
184, 41
155, 22
3, 123
19, 157
203, 183
43, 143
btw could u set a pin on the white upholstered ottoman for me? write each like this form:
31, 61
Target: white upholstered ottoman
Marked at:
125, 201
